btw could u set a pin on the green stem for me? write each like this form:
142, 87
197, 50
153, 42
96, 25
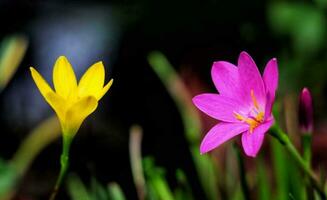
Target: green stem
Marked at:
282, 137
64, 163
306, 145
242, 171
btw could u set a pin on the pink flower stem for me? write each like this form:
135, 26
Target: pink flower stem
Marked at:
283, 138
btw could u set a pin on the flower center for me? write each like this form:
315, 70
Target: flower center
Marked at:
255, 117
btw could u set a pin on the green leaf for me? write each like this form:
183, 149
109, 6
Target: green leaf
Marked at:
8, 178
98, 192
135, 140
177, 90
12, 51
207, 173
156, 181
237, 193
280, 170
242, 173
115, 192
183, 191
296, 180
76, 189
263, 181
175, 86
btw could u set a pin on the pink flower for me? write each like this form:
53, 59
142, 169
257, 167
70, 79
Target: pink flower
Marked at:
306, 112
243, 105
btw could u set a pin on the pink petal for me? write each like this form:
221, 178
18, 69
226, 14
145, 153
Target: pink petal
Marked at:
250, 79
252, 141
270, 77
220, 134
269, 104
217, 106
225, 78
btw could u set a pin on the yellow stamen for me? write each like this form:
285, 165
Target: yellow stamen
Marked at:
239, 117
255, 102
253, 124
260, 116
252, 121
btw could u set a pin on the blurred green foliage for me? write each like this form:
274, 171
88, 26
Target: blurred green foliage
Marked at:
78, 191
191, 121
12, 51
275, 176
158, 186
300, 29
7, 178
13, 170
303, 22
263, 180
115, 192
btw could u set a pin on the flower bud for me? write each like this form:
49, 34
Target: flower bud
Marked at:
306, 111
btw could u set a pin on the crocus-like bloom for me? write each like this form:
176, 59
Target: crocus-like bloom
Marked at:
243, 105
306, 111
73, 102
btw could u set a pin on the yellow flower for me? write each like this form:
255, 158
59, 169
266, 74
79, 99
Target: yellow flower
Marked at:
73, 102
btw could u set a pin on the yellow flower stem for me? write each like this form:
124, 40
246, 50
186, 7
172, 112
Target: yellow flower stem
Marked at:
283, 138
64, 164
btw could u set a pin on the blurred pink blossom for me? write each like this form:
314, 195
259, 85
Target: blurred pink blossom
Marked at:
306, 111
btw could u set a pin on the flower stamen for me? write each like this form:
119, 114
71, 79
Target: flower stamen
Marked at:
253, 121
255, 102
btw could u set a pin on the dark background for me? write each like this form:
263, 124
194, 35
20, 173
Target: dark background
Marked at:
192, 34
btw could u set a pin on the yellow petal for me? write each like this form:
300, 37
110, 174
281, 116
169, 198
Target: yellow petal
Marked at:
58, 104
105, 89
76, 114
64, 78
92, 81
71, 98
54, 100
41, 84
